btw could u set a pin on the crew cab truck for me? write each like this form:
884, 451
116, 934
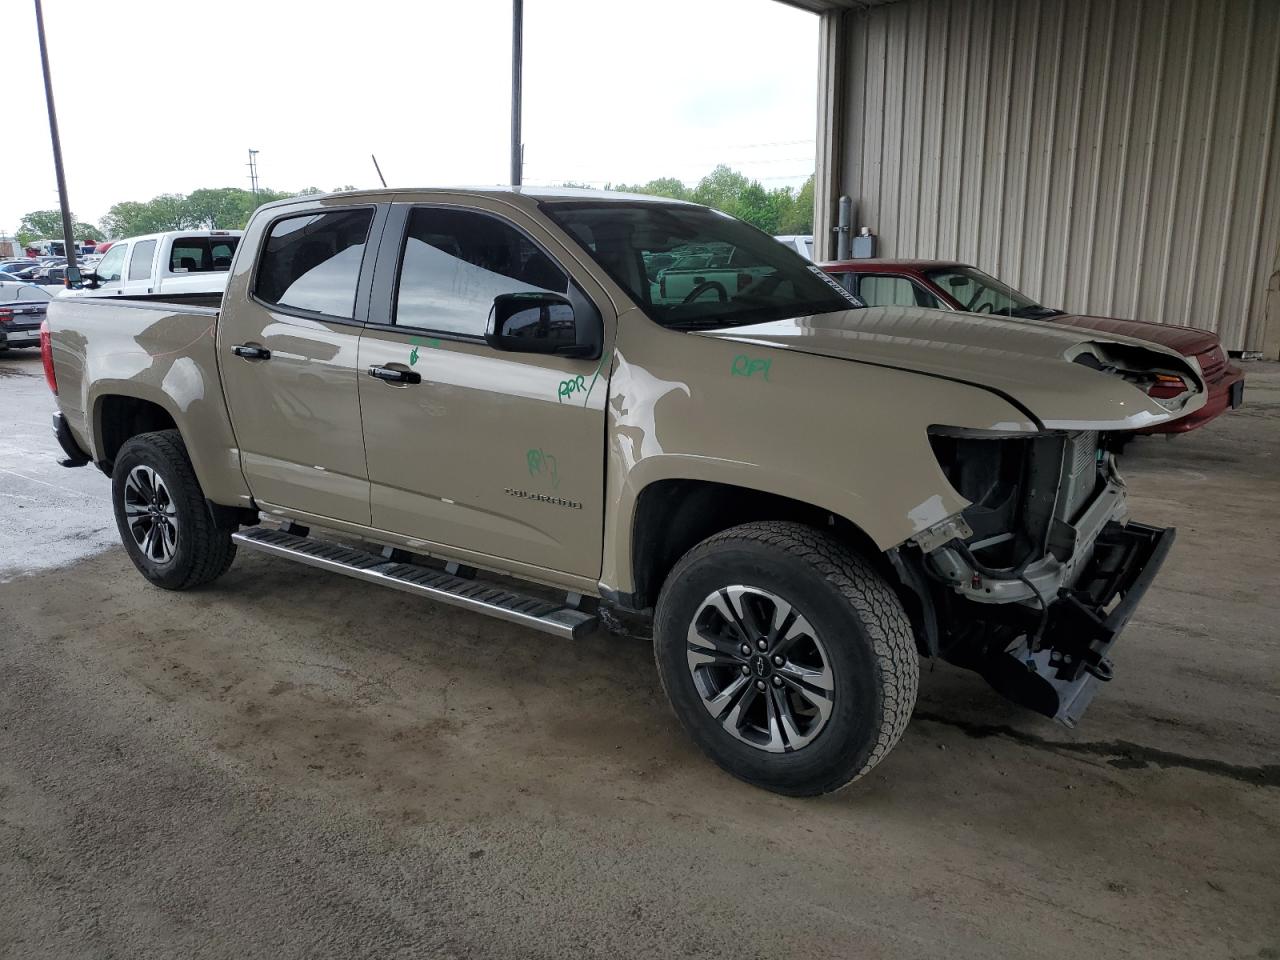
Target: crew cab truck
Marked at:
804, 496
180, 261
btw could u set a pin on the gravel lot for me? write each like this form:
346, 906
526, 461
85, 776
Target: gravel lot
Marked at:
289, 764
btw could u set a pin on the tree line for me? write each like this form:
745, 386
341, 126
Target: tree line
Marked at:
781, 210
214, 208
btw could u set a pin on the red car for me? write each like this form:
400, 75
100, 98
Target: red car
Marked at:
946, 285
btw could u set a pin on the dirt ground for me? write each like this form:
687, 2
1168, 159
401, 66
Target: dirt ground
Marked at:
289, 764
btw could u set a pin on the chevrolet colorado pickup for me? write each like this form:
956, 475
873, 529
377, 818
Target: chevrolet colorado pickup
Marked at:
804, 496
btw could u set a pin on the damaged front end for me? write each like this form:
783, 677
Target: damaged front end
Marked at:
1031, 584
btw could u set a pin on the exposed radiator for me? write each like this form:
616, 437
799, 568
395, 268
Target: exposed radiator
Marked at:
1079, 473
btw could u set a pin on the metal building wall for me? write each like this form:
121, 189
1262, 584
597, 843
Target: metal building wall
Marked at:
1116, 157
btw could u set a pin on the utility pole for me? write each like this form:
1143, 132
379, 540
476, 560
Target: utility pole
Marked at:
68, 236
517, 59
253, 172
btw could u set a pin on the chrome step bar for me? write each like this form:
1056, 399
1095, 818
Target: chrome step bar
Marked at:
544, 615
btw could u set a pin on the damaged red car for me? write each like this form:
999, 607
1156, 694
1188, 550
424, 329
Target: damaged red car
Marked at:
949, 285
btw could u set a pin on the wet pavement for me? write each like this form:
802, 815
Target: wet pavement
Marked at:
52, 516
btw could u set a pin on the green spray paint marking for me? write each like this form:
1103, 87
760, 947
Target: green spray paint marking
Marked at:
540, 462
603, 364
419, 342
569, 387
744, 366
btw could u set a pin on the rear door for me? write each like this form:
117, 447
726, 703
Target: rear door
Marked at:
492, 453
287, 353
142, 257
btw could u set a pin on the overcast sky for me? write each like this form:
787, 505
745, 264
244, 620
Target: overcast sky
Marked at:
156, 97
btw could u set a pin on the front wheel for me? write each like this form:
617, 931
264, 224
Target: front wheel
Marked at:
787, 658
161, 514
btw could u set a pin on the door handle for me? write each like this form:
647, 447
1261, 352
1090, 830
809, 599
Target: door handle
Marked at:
251, 353
391, 375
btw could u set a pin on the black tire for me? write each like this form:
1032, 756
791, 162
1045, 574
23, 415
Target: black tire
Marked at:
865, 635
202, 551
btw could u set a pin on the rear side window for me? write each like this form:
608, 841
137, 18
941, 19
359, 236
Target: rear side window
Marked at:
312, 262
202, 254
455, 263
140, 264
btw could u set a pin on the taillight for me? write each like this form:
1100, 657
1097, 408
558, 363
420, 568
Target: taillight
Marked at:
1167, 387
46, 355
5, 315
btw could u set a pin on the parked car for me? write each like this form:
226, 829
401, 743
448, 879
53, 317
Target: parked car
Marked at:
801, 244
181, 261
801, 495
947, 285
22, 310
14, 267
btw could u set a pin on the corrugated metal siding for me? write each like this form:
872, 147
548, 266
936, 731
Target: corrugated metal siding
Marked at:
1115, 158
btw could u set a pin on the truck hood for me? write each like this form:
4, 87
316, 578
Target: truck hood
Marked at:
1063, 377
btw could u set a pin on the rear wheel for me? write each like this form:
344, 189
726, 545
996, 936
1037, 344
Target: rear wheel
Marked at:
161, 514
787, 658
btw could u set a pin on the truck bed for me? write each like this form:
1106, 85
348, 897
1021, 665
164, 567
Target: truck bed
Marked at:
118, 357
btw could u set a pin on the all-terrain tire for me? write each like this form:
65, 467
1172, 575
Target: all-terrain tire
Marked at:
202, 551
865, 634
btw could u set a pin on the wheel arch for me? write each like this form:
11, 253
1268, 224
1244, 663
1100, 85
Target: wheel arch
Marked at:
117, 410
118, 417
673, 515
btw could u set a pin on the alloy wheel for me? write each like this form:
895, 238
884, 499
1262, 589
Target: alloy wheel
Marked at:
151, 514
760, 668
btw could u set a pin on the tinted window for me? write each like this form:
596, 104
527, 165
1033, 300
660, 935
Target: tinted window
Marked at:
884, 291
312, 262
455, 263
111, 266
140, 265
202, 254
721, 271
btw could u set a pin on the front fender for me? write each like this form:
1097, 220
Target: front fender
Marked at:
851, 439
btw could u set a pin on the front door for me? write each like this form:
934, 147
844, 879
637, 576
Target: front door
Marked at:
287, 353
499, 454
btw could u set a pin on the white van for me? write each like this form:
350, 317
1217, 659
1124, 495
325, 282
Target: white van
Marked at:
180, 261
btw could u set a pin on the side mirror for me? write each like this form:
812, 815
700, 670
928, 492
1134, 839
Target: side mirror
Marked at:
537, 323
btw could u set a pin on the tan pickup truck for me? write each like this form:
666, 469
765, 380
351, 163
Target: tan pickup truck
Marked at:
803, 495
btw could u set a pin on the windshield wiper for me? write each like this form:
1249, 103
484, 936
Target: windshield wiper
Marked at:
704, 323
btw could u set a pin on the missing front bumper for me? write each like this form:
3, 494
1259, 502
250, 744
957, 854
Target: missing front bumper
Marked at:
1061, 678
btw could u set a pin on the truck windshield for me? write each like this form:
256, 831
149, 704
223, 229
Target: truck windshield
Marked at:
689, 267
979, 293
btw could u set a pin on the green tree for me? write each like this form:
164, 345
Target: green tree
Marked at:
40, 225
661, 187
761, 208
130, 217
798, 215
47, 225
722, 189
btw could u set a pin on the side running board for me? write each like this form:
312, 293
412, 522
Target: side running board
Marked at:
427, 582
